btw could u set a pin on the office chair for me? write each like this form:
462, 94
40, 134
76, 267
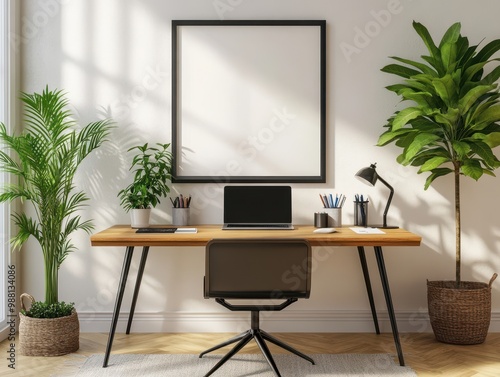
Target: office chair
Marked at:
257, 269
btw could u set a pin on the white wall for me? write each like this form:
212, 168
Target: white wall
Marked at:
113, 56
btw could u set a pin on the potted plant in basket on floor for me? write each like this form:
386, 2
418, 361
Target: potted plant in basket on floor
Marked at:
45, 158
450, 128
152, 174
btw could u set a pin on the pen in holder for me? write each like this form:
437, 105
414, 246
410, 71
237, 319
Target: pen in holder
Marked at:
332, 206
361, 213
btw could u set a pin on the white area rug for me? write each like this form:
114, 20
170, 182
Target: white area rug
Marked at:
244, 365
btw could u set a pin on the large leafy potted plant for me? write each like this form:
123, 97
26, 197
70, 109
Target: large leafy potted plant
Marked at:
152, 168
44, 158
450, 127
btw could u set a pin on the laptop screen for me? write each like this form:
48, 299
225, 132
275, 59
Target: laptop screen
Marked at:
257, 204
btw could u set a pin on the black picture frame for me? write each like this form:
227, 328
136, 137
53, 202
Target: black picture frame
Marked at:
249, 101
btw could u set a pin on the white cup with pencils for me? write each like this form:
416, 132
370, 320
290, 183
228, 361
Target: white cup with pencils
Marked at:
181, 210
332, 205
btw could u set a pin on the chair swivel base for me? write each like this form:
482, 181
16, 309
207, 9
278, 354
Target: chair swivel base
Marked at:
260, 336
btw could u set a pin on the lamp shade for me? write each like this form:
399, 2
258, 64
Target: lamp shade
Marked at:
368, 175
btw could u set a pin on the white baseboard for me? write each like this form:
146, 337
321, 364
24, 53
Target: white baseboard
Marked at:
286, 321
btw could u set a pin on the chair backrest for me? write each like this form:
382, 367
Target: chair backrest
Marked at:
258, 268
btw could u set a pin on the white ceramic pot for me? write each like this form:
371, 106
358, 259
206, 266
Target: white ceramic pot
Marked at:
139, 218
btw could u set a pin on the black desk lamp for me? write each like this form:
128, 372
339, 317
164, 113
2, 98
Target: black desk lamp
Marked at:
370, 177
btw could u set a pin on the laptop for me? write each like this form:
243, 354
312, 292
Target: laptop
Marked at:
257, 207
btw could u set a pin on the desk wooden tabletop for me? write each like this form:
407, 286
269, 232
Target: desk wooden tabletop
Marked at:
124, 235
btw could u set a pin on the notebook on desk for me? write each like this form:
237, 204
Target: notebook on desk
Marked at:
257, 207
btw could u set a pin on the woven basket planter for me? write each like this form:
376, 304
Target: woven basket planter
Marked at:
48, 336
460, 316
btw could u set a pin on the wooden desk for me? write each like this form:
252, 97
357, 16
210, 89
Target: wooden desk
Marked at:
124, 235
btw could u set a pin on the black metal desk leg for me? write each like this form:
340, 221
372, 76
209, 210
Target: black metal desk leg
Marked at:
366, 274
118, 303
388, 300
140, 272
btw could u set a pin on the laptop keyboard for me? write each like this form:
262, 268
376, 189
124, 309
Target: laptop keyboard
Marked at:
156, 230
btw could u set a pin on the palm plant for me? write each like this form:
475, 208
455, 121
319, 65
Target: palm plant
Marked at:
47, 155
451, 126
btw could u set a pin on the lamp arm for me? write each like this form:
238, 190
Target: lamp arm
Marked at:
388, 201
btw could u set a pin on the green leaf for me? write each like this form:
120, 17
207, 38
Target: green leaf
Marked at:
426, 37
451, 35
406, 140
449, 56
492, 77
436, 173
449, 118
493, 139
425, 125
468, 53
389, 136
433, 163
396, 88
484, 151
420, 141
478, 108
436, 63
463, 51
420, 98
493, 127
490, 115
461, 148
487, 51
446, 89
472, 168
405, 116
424, 68
424, 155
400, 70
422, 82
472, 71
472, 96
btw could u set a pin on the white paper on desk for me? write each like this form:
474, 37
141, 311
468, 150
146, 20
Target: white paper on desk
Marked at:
367, 231
186, 230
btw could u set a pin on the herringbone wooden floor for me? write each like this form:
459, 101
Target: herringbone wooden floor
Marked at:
422, 352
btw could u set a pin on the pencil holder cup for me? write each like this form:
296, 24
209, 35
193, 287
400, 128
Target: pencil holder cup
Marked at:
361, 213
320, 219
180, 216
334, 217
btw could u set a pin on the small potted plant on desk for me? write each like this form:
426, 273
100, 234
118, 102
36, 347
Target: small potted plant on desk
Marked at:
451, 127
46, 156
152, 173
